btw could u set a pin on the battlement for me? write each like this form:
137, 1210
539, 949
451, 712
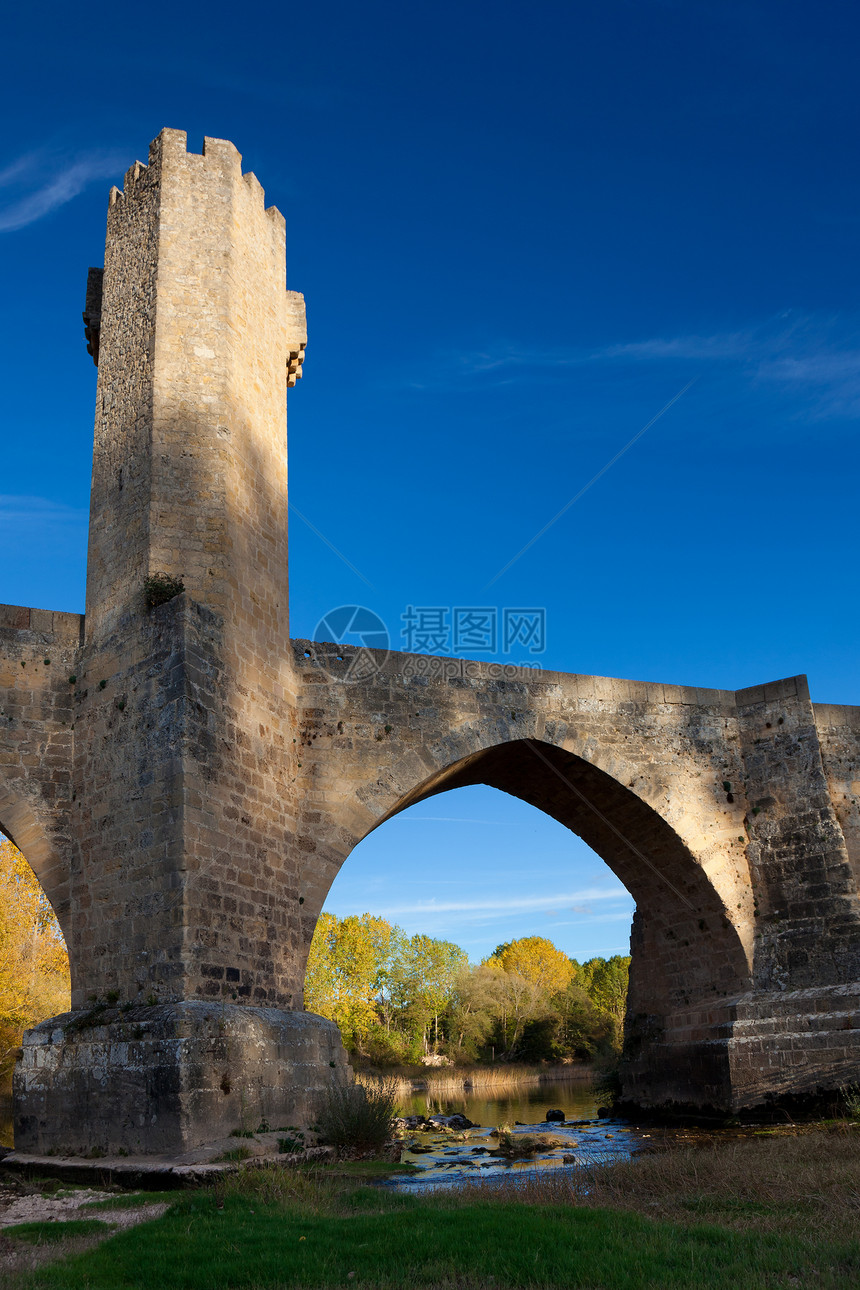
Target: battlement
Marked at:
219, 156
215, 178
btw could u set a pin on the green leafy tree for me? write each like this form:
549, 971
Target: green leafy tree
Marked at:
606, 982
422, 982
473, 1010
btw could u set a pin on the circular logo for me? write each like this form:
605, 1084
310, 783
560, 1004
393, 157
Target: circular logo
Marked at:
350, 643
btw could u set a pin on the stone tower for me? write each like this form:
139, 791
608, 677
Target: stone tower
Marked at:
184, 893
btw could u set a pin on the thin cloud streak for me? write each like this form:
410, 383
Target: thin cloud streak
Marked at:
456, 819
64, 185
513, 904
19, 509
805, 355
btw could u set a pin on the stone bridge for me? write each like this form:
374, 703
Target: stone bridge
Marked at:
186, 782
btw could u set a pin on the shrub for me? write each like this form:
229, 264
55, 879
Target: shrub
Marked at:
850, 1098
357, 1117
607, 1082
158, 588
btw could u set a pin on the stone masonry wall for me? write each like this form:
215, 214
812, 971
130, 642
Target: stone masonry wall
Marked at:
186, 749
807, 904
119, 533
839, 739
652, 759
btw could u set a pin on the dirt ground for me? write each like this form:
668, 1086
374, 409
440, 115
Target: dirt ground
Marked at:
48, 1201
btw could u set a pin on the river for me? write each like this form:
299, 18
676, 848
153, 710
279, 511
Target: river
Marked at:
584, 1136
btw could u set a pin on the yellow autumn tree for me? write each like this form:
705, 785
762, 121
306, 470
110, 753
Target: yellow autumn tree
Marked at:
538, 960
530, 972
34, 965
345, 971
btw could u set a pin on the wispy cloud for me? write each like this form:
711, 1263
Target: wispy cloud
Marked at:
732, 345
19, 511
406, 818
813, 358
512, 904
41, 185
619, 916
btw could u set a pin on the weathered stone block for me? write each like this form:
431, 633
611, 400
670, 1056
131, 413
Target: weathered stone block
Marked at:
169, 1078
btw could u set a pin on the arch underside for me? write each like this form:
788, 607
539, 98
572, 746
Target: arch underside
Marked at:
686, 952
20, 823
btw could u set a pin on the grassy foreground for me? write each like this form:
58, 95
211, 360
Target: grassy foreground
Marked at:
750, 1216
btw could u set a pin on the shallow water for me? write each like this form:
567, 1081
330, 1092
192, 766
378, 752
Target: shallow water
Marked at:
450, 1162
528, 1103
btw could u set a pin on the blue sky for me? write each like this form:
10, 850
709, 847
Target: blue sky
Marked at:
521, 233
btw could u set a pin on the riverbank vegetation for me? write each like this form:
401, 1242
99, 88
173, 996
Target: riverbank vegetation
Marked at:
482, 1081
401, 1000
763, 1213
34, 965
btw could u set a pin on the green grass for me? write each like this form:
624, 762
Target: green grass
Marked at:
335, 1235
368, 1169
53, 1233
236, 1156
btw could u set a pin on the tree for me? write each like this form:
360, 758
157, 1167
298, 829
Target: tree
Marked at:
530, 973
605, 981
422, 982
473, 1010
538, 960
34, 965
395, 998
347, 971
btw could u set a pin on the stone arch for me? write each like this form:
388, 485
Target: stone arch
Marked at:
688, 953
20, 823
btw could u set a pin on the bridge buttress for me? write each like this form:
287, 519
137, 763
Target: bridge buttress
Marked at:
839, 738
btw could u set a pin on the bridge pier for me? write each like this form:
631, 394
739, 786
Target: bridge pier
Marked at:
166, 1078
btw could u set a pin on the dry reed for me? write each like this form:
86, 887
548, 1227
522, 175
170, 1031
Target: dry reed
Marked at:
453, 1082
803, 1183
